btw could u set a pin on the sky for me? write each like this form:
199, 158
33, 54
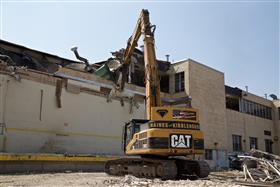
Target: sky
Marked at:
240, 39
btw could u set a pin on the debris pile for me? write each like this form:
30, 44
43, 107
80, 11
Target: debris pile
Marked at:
129, 181
261, 166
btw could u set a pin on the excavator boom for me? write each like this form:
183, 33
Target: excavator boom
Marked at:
144, 27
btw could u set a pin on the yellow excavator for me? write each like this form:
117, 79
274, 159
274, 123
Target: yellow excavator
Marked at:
163, 140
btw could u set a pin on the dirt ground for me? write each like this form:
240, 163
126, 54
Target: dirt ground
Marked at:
102, 179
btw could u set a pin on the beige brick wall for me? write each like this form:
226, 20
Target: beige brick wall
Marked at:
206, 87
247, 126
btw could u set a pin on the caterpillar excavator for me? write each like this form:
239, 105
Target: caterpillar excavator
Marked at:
163, 140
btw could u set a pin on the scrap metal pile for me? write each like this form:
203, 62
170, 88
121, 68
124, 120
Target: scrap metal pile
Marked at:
261, 166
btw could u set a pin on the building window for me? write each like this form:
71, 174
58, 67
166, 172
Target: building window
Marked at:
268, 145
268, 133
164, 84
236, 143
180, 82
253, 143
208, 154
232, 103
268, 116
256, 109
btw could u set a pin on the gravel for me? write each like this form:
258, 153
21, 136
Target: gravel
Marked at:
102, 180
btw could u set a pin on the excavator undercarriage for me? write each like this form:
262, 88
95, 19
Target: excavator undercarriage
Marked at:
166, 169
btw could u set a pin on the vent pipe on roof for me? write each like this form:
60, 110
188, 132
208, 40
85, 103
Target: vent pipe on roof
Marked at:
246, 92
167, 57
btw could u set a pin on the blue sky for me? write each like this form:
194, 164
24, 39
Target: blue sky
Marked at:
240, 39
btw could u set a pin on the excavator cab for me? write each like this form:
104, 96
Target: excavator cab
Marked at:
130, 128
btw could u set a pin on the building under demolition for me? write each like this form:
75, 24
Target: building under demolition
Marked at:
50, 104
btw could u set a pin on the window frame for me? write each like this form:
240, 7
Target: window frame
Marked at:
256, 142
179, 82
237, 148
268, 145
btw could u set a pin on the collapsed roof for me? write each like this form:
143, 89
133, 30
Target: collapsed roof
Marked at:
18, 55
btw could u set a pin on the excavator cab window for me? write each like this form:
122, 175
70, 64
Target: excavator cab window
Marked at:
136, 128
128, 133
130, 128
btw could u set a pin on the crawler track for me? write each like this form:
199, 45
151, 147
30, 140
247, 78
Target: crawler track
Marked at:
166, 169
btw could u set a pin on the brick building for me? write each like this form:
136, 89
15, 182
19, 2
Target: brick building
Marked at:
52, 105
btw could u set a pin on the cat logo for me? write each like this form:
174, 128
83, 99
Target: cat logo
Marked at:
180, 141
162, 112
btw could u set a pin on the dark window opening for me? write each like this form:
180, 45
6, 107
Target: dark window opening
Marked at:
180, 82
236, 143
138, 78
253, 143
268, 133
232, 103
208, 154
269, 116
268, 145
164, 84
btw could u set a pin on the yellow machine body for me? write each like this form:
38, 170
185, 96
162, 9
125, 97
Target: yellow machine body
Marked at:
172, 131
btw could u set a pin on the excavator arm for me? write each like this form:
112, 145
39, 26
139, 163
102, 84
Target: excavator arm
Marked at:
144, 27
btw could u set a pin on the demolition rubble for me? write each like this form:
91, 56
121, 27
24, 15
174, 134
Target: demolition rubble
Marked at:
259, 169
261, 166
221, 179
